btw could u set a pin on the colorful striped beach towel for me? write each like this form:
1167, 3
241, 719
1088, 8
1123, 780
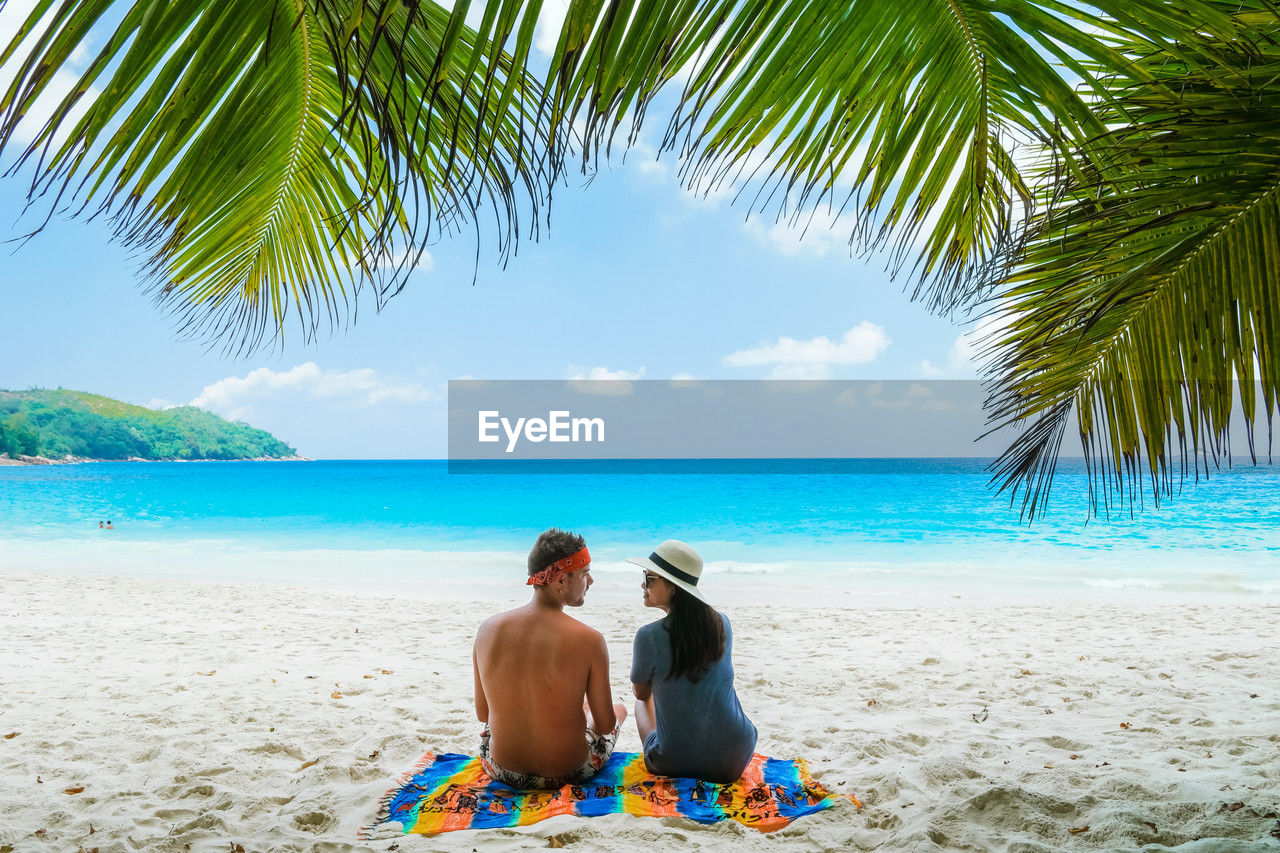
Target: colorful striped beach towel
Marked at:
448, 792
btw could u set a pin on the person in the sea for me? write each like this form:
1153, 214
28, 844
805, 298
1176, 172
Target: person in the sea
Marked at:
533, 668
110, 526
690, 720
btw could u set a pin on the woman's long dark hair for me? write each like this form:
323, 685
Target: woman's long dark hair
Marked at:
697, 635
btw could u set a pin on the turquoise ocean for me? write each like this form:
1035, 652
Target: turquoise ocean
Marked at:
848, 531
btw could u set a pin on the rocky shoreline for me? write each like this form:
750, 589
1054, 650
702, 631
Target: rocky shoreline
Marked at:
5, 460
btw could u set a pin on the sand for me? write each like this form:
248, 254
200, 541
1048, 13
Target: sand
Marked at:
201, 716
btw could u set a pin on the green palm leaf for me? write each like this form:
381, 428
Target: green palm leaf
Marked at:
905, 114
271, 159
266, 156
1148, 307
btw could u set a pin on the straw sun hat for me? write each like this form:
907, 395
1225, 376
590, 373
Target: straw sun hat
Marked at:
678, 563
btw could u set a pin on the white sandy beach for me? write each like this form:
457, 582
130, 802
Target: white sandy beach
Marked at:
199, 717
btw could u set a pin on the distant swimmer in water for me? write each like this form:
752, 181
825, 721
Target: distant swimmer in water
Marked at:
100, 525
110, 526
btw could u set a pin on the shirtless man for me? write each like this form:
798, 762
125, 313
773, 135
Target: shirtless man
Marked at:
533, 666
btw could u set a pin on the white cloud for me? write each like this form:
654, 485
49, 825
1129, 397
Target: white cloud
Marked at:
968, 350
550, 20
817, 236
643, 157
235, 397
970, 347
159, 403
602, 380
816, 230
718, 187
599, 373
709, 196
812, 359
81, 52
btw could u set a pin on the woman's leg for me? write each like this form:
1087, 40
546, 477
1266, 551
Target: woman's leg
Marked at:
646, 718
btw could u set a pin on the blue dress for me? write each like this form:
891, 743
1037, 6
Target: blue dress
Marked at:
701, 729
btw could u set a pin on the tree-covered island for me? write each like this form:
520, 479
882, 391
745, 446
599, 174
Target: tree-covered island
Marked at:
55, 424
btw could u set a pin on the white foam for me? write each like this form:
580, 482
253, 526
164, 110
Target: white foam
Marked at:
1123, 583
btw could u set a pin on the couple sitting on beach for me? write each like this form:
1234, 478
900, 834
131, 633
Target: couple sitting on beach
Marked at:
535, 664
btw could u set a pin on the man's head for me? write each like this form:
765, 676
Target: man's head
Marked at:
560, 563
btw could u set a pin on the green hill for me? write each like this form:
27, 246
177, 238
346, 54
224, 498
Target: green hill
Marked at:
40, 422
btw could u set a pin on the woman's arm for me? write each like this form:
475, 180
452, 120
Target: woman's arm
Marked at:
642, 684
646, 714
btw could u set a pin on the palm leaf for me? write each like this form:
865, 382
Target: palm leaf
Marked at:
231, 145
268, 156
906, 114
1147, 306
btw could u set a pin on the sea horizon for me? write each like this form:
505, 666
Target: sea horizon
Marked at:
873, 530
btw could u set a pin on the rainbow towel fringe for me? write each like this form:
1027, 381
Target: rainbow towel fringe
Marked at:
447, 792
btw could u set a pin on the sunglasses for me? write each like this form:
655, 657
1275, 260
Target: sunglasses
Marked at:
649, 579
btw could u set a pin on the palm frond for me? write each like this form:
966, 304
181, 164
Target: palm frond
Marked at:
1148, 307
905, 114
269, 158
229, 142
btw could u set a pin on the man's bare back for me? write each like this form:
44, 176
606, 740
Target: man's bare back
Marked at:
533, 667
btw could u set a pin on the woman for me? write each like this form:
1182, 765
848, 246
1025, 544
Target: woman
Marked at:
689, 717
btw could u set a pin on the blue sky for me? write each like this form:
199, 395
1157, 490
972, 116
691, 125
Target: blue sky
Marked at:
636, 277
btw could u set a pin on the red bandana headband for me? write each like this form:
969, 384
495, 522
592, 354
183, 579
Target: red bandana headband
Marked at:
571, 563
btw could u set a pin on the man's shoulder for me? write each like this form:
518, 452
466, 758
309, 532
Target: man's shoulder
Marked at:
499, 620
522, 618
581, 629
